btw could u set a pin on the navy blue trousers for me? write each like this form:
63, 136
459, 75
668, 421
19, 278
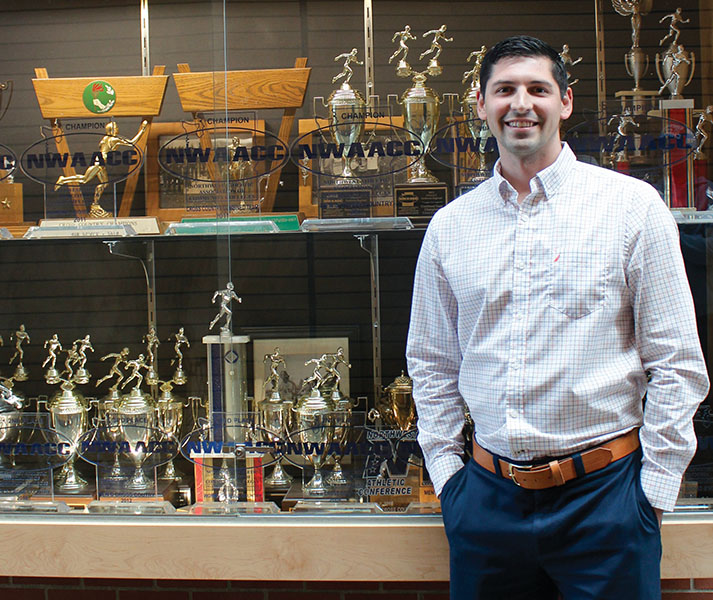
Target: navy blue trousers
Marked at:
594, 538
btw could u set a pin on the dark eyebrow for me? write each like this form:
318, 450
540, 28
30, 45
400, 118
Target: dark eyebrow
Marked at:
543, 83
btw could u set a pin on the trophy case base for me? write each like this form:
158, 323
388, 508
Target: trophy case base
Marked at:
419, 202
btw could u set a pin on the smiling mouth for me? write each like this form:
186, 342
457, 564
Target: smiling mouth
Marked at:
520, 124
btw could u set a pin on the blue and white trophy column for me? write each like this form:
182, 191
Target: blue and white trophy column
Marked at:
227, 372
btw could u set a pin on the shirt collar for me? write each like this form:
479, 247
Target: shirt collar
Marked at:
548, 180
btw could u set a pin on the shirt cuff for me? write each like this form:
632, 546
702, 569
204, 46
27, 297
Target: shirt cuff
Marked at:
660, 487
442, 469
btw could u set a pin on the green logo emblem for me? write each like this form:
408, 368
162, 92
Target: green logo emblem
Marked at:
99, 97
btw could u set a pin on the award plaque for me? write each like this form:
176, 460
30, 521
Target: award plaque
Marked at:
345, 202
419, 202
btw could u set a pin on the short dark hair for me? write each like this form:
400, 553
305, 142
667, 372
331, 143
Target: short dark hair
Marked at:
523, 45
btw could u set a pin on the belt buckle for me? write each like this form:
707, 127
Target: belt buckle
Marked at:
511, 473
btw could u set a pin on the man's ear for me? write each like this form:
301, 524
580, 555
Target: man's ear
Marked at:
480, 98
567, 105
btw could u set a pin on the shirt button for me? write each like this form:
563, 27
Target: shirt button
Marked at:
520, 265
515, 365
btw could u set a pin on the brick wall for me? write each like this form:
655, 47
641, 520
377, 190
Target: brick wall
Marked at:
687, 589
30, 588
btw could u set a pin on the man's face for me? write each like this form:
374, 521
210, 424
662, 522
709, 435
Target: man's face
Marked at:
523, 107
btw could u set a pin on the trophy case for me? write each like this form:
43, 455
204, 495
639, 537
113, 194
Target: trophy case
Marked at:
230, 340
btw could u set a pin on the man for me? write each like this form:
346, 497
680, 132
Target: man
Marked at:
549, 301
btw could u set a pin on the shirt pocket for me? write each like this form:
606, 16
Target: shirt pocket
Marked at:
577, 282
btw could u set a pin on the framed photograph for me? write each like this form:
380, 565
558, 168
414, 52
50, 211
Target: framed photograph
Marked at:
295, 352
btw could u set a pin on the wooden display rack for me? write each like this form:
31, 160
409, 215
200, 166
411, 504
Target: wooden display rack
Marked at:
61, 98
241, 91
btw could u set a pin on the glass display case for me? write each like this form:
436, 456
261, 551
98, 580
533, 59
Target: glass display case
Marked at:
211, 213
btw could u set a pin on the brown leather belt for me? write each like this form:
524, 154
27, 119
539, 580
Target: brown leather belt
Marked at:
559, 472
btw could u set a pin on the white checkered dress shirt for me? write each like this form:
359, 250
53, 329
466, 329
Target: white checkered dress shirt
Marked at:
544, 316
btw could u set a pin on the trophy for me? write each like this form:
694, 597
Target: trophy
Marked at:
5, 86
478, 129
341, 405
275, 416
79, 357
179, 376
346, 109
567, 61
11, 404
676, 66
108, 415
69, 417
136, 415
108, 144
635, 60
226, 296
342, 430
420, 105
226, 361
623, 121
9, 399
151, 340
55, 347
395, 407
108, 420
169, 414
314, 424
20, 336
706, 116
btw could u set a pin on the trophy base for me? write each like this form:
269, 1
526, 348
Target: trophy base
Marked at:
139, 482
81, 376
69, 481
52, 376
337, 478
21, 373
316, 487
179, 377
170, 473
152, 377
434, 69
278, 480
403, 69
116, 473
97, 212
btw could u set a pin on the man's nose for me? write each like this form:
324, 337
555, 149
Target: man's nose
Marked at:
521, 101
